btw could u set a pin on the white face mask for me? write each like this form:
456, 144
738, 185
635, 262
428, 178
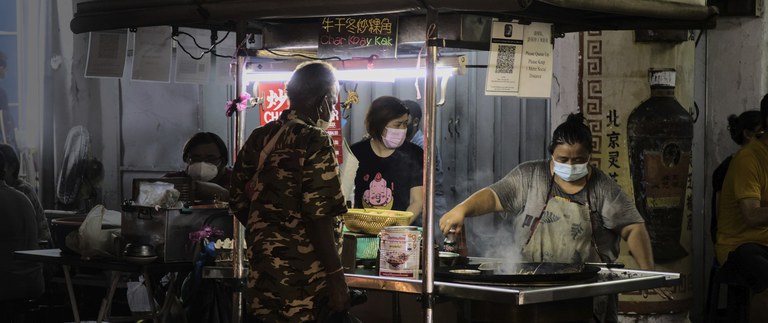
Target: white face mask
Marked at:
326, 105
394, 137
202, 171
570, 173
322, 124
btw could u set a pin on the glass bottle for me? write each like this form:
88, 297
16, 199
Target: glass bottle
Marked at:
451, 241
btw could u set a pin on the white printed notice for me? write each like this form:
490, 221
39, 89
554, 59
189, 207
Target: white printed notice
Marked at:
106, 53
152, 54
520, 60
192, 67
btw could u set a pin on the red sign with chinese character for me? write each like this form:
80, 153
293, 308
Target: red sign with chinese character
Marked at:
275, 101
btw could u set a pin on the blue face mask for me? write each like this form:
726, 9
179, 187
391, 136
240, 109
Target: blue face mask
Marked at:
570, 173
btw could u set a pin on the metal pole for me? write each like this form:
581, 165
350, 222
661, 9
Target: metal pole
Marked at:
239, 139
427, 286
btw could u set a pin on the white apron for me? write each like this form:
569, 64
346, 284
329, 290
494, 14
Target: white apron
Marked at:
561, 233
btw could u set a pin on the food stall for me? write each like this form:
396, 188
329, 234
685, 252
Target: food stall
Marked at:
247, 17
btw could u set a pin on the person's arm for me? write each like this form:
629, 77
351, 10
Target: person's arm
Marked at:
321, 235
481, 202
639, 243
748, 187
416, 203
322, 201
242, 172
754, 215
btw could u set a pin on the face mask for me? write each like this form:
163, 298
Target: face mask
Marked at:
202, 171
394, 138
322, 123
570, 173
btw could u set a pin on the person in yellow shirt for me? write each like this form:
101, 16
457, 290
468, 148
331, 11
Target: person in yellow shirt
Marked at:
742, 220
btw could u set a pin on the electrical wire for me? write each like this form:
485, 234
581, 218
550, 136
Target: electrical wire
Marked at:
207, 50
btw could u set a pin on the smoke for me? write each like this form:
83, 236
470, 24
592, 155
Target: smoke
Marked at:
493, 236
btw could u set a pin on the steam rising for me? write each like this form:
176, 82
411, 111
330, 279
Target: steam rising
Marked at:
500, 245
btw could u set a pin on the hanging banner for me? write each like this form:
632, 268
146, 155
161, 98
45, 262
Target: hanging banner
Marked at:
106, 53
359, 36
613, 83
334, 129
276, 101
520, 60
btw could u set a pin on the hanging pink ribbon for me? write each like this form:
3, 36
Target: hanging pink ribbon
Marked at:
239, 104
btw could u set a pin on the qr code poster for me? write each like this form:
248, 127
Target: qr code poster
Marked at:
520, 60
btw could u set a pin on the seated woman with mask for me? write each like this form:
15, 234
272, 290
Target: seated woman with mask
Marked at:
207, 157
389, 175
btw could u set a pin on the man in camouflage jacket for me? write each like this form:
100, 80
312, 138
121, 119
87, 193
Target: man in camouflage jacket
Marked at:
292, 206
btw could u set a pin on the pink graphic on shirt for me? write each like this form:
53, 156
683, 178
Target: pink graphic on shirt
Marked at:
378, 194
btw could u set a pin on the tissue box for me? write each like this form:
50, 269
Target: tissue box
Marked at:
168, 229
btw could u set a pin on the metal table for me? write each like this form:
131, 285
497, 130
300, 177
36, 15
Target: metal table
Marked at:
116, 268
610, 281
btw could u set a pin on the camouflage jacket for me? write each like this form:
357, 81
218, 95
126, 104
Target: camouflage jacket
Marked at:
299, 182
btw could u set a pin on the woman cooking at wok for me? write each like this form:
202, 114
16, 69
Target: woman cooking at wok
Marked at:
564, 210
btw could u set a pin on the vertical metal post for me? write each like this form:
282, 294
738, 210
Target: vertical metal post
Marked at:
428, 243
238, 134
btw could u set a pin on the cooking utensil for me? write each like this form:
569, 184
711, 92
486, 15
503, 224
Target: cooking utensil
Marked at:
465, 271
526, 274
606, 265
448, 258
139, 250
140, 260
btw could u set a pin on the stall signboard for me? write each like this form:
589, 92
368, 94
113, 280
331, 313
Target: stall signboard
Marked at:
275, 101
520, 60
334, 129
358, 36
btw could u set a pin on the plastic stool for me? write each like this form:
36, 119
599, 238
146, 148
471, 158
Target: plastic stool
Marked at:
738, 297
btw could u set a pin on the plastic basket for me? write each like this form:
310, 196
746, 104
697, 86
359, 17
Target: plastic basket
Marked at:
367, 248
371, 221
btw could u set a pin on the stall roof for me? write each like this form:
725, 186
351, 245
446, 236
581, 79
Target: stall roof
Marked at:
566, 15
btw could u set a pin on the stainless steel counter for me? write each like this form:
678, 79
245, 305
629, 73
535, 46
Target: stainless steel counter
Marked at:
610, 281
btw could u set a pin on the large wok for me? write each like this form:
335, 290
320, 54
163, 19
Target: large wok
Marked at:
526, 274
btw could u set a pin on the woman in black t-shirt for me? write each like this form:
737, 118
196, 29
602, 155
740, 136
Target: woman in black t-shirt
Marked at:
389, 175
